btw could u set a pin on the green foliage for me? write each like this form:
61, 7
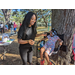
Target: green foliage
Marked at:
2, 18
42, 14
18, 15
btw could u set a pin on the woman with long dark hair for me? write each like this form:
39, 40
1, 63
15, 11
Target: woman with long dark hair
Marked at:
26, 36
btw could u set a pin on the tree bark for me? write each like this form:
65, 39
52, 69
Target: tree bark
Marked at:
63, 20
44, 20
7, 13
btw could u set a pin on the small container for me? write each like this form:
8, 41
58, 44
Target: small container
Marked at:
0, 37
5, 37
5, 40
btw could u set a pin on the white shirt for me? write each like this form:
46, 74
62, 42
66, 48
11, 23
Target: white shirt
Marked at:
1, 25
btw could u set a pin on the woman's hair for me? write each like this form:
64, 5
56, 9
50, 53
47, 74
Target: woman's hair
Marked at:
27, 19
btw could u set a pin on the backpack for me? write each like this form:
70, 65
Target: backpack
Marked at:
42, 43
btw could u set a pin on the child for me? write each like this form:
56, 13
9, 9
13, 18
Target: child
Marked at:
49, 47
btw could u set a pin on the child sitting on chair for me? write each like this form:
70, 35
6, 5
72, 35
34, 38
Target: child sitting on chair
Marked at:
49, 46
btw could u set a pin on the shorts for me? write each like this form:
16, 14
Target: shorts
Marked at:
14, 29
48, 51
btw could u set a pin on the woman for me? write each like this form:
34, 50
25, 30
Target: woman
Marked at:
26, 36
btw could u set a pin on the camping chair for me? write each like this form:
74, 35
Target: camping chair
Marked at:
55, 50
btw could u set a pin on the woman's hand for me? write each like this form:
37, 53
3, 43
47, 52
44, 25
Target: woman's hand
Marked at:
31, 42
44, 34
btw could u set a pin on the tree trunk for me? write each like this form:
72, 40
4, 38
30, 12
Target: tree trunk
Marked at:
44, 20
63, 20
7, 13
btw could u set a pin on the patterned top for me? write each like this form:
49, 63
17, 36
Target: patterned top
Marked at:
50, 44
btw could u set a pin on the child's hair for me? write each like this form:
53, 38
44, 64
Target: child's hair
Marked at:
54, 31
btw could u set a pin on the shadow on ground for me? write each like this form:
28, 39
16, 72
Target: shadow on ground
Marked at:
12, 56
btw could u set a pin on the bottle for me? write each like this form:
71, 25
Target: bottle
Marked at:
0, 37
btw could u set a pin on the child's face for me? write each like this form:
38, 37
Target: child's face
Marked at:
51, 33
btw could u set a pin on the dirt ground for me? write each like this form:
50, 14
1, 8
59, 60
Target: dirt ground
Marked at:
12, 56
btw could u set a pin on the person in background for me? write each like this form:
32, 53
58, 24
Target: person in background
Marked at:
2, 28
20, 24
6, 27
0, 25
15, 27
11, 27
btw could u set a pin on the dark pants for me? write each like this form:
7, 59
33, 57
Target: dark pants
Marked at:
26, 55
2, 30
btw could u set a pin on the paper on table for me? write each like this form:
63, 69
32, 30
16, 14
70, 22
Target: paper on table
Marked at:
6, 43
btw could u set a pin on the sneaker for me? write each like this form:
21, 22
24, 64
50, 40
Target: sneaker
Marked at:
50, 63
42, 62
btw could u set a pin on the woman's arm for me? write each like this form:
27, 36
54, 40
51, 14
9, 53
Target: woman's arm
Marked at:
20, 41
44, 39
42, 34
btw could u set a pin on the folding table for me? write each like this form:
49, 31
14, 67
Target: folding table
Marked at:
4, 45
